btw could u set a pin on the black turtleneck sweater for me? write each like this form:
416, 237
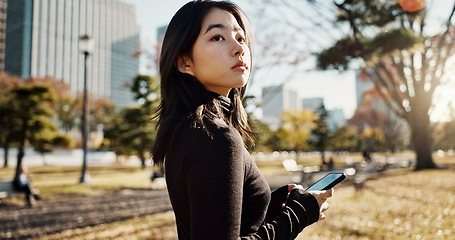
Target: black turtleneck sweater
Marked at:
217, 191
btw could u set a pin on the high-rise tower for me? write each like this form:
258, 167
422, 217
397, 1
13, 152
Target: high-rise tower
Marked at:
42, 39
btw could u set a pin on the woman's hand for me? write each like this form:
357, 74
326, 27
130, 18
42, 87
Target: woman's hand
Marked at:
292, 186
321, 197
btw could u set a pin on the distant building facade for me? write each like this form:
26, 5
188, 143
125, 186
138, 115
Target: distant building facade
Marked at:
42, 39
336, 119
275, 100
3, 4
312, 103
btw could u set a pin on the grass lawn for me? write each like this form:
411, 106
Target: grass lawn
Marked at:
409, 205
54, 180
400, 204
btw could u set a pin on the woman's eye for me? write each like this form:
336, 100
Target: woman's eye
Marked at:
218, 38
241, 39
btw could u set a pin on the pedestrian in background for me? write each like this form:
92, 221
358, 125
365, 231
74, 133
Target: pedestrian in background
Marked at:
23, 183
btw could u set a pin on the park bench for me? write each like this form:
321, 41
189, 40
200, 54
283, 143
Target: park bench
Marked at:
291, 165
7, 190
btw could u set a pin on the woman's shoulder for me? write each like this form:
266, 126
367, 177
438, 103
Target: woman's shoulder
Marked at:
218, 128
213, 131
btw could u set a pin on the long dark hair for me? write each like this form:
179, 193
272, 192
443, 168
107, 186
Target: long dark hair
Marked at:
182, 95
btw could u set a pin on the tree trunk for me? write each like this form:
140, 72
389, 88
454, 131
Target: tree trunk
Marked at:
323, 158
5, 150
143, 158
21, 150
421, 139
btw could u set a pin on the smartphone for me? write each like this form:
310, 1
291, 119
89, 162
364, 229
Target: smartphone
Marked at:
327, 182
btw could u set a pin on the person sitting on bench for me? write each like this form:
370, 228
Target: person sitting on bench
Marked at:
23, 183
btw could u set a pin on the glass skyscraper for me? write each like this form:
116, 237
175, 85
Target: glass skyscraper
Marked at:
2, 33
42, 40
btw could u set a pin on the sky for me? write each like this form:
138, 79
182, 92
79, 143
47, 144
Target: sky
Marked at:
337, 89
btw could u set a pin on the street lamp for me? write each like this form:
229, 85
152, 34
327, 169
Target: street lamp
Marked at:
86, 46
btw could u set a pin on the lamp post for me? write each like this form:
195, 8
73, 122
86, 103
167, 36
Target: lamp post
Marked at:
86, 46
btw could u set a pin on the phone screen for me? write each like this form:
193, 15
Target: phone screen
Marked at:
327, 182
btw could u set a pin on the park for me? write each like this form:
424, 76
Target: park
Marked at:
122, 203
79, 160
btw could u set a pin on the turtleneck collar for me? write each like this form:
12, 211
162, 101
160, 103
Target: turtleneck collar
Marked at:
225, 103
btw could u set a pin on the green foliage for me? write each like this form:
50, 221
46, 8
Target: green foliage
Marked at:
344, 139
295, 129
101, 112
33, 101
263, 135
378, 28
45, 135
32, 109
319, 139
350, 48
67, 113
133, 131
146, 90
446, 137
372, 140
341, 53
395, 39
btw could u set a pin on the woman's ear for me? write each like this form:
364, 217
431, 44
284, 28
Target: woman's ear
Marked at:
184, 65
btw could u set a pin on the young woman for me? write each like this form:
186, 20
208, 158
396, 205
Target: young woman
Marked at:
216, 190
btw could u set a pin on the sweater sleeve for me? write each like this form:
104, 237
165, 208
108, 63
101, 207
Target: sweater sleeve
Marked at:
215, 181
300, 211
277, 200
215, 188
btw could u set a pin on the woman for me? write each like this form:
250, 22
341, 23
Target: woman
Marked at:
216, 190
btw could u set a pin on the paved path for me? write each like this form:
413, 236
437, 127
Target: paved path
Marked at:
59, 213
67, 212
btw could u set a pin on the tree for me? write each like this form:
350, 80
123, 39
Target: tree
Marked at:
67, 112
44, 135
446, 137
133, 133
263, 135
8, 123
65, 104
296, 128
373, 113
344, 139
139, 135
320, 134
31, 103
405, 65
371, 139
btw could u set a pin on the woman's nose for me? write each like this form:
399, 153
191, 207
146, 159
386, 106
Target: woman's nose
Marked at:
239, 49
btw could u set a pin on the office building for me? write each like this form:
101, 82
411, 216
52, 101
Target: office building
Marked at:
42, 40
335, 119
3, 5
312, 104
276, 100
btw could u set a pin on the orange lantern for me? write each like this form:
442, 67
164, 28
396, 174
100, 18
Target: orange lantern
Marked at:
412, 5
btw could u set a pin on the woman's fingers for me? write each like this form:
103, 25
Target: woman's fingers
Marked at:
292, 186
324, 207
321, 216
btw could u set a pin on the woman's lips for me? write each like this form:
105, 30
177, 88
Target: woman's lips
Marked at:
240, 66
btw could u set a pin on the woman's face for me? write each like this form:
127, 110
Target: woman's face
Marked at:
220, 58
